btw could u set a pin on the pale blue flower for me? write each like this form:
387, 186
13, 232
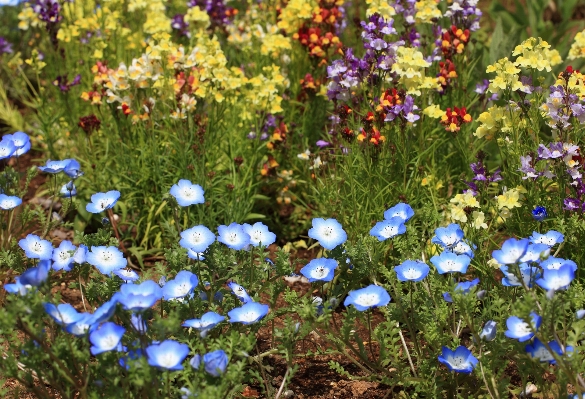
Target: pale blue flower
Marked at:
249, 313
63, 314
462, 288
82, 326
368, 297
511, 252
240, 292
54, 166
521, 330
553, 263
460, 360
106, 338
233, 236
8, 202
449, 262
321, 269
205, 323
557, 279
448, 237
17, 287
401, 210
181, 286
215, 362
328, 232
187, 193
197, 238
259, 234
7, 148
550, 238
388, 228
36, 248
488, 332
138, 323
535, 252
63, 256
167, 355
102, 201
68, 190
35, 276
20, 140
80, 254
463, 248
73, 169
412, 270
139, 297
127, 274
106, 259
528, 273
537, 350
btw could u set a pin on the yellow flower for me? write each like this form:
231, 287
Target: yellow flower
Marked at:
295, 13
510, 199
381, 7
578, 47
426, 11
535, 54
458, 213
478, 220
433, 111
410, 66
506, 76
465, 200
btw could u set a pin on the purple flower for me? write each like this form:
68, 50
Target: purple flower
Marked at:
323, 144
63, 84
5, 46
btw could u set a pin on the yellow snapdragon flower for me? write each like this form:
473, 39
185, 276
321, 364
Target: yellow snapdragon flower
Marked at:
426, 11
381, 7
434, 111
578, 47
295, 13
510, 199
506, 76
536, 54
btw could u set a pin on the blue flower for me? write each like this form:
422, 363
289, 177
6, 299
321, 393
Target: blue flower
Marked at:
17, 287
63, 314
127, 274
139, 297
187, 193
412, 270
215, 362
106, 259
557, 279
321, 269
388, 228
249, 313
368, 297
580, 314
553, 263
463, 248
520, 330
195, 255
36, 248
448, 237
167, 355
528, 273
205, 323
535, 252
401, 210
511, 252
138, 323
102, 201
460, 360
488, 332
106, 338
63, 256
550, 238
82, 326
182, 286
20, 140
233, 236
259, 234
80, 254
35, 276
197, 238
8, 202
449, 262
106, 311
537, 350
462, 288
54, 166
73, 169
328, 232
7, 148
539, 213
68, 190
240, 292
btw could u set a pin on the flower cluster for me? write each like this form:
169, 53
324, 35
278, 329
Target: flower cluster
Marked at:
319, 34
454, 118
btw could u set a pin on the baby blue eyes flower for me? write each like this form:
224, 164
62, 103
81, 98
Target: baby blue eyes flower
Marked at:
63, 256
448, 237
539, 213
102, 201
520, 330
167, 355
328, 232
249, 313
106, 338
550, 238
63, 314
7, 148
36, 248
127, 274
579, 314
321, 269
138, 323
195, 255
68, 190
463, 248
462, 288
535, 252
106, 259
460, 360
55, 166
401, 210
139, 297
449, 262
205, 323
557, 279
368, 297
412, 270
215, 362
233, 236
537, 350
197, 238
187, 193
388, 228
183, 285
259, 234
553, 263
529, 274
488, 332
17, 287
8, 202
511, 252
240, 292
35, 276
73, 169
21, 141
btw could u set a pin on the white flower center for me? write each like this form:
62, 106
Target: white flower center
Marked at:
249, 316
320, 272
542, 354
106, 256
182, 289
522, 329
367, 299
412, 273
327, 231
167, 360
457, 362
232, 238
110, 341
388, 231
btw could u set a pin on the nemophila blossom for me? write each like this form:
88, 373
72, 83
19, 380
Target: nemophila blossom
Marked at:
550, 238
7, 148
82, 326
35, 276
187, 193
512, 251
461, 288
54, 166
215, 362
205, 323
321, 269
388, 228
181, 286
106, 259
579, 314
463, 248
63, 256
535, 252
195, 255
488, 332
63, 314
552, 263
138, 323
197, 238
167, 355
240, 292
448, 237
139, 297
448, 262
8, 202
249, 313
106, 311
80, 254
17, 287
521, 330
367, 298
259, 234
412, 270
102, 201
557, 279
460, 360
68, 190
36, 248
20, 140
539, 213
529, 274
127, 274
400, 210
233, 236
328, 232
73, 169
106, 338
538, 351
